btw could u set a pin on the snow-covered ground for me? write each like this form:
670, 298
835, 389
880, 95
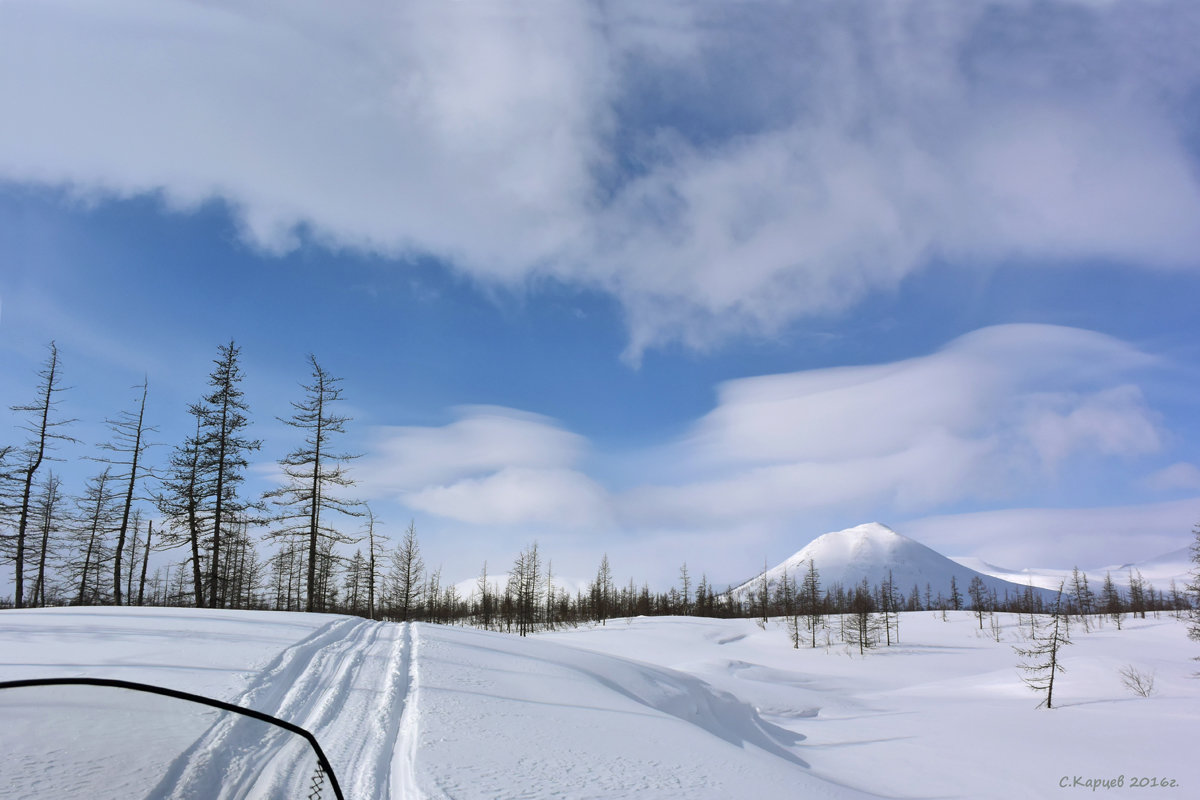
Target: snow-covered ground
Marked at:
659, 707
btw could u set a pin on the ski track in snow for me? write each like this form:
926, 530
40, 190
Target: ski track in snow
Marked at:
350, 683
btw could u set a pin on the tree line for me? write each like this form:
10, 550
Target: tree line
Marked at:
94, 547
308, 545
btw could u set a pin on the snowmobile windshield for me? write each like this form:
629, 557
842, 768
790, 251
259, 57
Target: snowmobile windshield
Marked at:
96, 738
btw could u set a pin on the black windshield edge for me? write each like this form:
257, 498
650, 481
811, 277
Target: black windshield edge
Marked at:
195, 698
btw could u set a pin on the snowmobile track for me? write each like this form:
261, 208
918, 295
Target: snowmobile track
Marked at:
351, 684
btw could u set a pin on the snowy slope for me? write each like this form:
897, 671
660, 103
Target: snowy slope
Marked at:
1160, 570
872, 551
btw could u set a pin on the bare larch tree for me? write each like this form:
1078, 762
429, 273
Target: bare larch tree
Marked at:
314, 473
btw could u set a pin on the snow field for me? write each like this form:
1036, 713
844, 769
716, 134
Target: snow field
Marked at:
209, 652
945, 712
503, 716
345, 679
661, 707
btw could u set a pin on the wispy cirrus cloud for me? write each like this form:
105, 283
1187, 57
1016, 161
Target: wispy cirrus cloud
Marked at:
719, 168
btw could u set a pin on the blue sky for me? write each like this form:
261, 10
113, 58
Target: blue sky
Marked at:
688, 282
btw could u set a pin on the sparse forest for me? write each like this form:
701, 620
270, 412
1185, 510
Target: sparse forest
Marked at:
310, 545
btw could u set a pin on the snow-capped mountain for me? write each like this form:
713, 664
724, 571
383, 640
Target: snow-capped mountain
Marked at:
873, 550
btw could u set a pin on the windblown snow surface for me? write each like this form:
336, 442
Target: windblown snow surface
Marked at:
660, 707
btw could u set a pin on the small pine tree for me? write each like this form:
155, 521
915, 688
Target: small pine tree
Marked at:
685, 590
1042, 659
791, 612
1084, 599
810, 601
408, 570
1113, 605
763, 594
955, 596
602, 591
1137, 594
979, 598
889, 604
863, 627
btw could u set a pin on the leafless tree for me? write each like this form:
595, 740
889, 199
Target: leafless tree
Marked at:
315, 472
407, 573
47, 517
810, 600
44, 432
1193, 587
96, 520
1136, 681
374, 551
125, 451
1043, 658
222, 417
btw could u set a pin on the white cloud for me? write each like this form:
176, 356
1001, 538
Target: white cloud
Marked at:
1180, 475
986, 421
1061, 537
516, 496
483, 440
719, 168
988, 416
448, 128
492, 466
999, 388
925, 474
1111, 422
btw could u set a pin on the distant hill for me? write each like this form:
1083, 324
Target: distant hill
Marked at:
872, 550
1158, 572
498, 581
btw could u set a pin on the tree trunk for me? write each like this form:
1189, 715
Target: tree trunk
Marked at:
137, 451
145, 562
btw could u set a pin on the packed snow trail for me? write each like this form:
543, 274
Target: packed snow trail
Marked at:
349, 684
